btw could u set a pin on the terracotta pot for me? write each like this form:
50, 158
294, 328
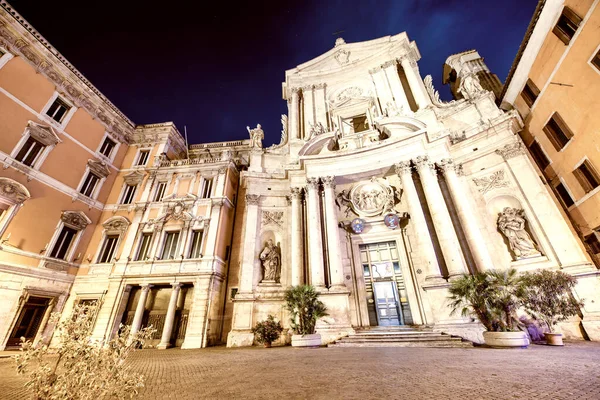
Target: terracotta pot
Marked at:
504, 340
554, 339
268, 345
313, 340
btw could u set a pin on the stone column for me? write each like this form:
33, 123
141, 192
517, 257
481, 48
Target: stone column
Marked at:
390, 69
315, 242
297, 237
441, 218
467, 217
294, 111
165, 340
139, 310
220, 182
249, 254
417, 216
417, 86
309, 109
213, 227
321, 105
336, 269
381, 87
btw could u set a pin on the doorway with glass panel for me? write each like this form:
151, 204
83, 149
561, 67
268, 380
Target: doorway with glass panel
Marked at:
387, 300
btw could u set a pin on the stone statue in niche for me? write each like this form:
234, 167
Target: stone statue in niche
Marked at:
511, 222
270, 257
256, 136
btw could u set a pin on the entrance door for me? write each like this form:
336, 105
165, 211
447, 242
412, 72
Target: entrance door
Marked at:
29, 320
386, 302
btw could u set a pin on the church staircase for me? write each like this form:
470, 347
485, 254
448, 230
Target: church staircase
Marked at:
400, 336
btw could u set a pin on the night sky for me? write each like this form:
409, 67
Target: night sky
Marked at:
217, 68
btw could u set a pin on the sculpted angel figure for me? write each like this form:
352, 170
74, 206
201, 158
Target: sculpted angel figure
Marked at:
343, 199
256, 136
270, 257
511, 223
470, 86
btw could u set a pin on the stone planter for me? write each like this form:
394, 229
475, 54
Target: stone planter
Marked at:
268, 345
554, 339
502, 340
313, 340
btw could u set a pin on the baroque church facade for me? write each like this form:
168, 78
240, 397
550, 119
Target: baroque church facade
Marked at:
378, 194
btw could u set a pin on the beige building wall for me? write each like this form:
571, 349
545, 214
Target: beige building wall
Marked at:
568, 84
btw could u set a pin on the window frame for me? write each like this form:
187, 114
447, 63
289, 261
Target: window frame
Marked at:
191, 248
206, 193
535, 92
165, 235
561, 182
76, 240
6, 57
113, 152
582, 177
563, 128
595, 235
108, 236
571, 17
96, 188
156, 191
537, 143
70, 249
138, 155
68, 115
124, 193
25, 136
141, 237
596, 53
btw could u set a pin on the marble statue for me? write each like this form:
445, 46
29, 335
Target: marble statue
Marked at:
256, 136
511, 222
470, 86
270, 257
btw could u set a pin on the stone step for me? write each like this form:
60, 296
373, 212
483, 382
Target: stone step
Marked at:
432, 343
395, 337
389, 340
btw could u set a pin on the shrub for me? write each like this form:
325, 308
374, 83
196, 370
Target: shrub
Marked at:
267, 331
305, 308
82, 368
548, 296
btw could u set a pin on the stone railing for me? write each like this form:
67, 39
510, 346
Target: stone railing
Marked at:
217, 145
189, 161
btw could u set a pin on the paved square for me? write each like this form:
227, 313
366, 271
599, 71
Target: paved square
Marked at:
539, 372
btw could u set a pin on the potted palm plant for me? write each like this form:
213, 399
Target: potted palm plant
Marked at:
548, 297
494, 297
305, 309
268, 331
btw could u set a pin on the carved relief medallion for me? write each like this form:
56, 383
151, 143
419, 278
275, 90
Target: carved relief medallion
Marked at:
371, 198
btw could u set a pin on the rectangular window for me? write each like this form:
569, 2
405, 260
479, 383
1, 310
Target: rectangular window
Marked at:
596, 60
558, 132
3, 210
196, 247
593, 241
58, 110
107, 147
142, 157
587, 176
530, 92
207, 188
564, 195
108, 249
89, 184
538, 155
144, 249
567, 25
160, 191
170, 245
63, 243
30, 152
128, 194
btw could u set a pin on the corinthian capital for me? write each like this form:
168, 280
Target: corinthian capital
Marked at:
423, 163
296, 193
252, 199
511, 150
312, 183
328, 182
403, 167
446, 165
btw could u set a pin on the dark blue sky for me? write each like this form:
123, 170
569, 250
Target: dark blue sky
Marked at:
217, 68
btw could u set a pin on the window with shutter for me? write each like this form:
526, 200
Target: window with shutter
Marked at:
593, 241
567, 25
558, 132
587, 176
538, 155
564, 195
530, 92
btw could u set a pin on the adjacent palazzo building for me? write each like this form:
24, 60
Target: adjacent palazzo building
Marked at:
378, 194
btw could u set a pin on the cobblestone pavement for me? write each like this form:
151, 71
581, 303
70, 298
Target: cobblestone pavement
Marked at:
539, 372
